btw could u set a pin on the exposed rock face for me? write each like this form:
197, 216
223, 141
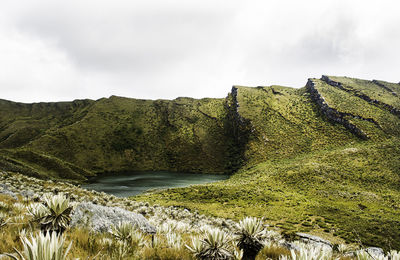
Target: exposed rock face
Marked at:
333, 114
374, 102
238, 125
101, 218
385, 87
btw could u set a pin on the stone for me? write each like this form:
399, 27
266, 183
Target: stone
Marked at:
291, 246
375, 251
307, 237
315, 240
4, 189
101, 218
27, 193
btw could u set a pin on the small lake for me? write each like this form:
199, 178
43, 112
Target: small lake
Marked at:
129, 184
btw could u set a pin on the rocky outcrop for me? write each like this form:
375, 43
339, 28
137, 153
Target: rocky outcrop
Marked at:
241, 124
102, 218
384, 87
365, 97
333, 114
237, 125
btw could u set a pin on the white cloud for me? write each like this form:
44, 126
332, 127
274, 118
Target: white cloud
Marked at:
61, 50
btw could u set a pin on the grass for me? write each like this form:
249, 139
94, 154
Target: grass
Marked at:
370, 89
290, 164
117, 134
346, 102
285, 122
350, 192
86, 244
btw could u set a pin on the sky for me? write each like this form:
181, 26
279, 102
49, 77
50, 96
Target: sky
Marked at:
52, 50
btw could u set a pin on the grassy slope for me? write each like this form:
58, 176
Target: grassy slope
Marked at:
306, 173
119, 134
303, 172
285, 122
349, 191
371, 89
388, 124
21, 123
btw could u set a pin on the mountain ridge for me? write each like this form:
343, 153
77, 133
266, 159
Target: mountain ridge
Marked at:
119, 134
322, 158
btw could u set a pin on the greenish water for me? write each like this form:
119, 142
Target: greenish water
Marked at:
133, 183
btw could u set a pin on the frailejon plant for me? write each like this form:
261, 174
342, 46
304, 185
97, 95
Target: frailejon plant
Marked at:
237, 253
18, 207
138, 238
174, 240
123, 231
309, 252
58, 217
214, 245
43, 247
394, 255
196, 247
250, 237
37, 211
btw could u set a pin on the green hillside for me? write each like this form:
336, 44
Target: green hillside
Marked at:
119, 134
324, 158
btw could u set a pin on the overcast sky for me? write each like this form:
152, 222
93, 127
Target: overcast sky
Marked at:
63, 50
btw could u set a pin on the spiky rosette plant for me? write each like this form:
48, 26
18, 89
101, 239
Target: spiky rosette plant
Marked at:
37, 211
123, 231
43, 247
58, 217
250, 236
196, 247
214, 245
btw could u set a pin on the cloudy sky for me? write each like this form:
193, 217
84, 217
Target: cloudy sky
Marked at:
53, 50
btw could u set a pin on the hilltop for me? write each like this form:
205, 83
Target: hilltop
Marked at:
324, 158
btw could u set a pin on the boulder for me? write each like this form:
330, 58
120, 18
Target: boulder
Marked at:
5, 191
101, 218
375, 251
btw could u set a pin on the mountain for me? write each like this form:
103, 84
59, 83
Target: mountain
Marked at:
324, 158
77, 139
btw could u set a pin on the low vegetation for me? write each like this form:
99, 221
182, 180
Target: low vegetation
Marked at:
248, 239
323, 160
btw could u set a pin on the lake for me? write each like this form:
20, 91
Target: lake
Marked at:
129, 184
